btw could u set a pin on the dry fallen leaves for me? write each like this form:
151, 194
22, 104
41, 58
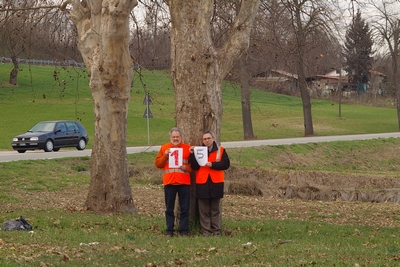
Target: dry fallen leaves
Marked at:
238, 206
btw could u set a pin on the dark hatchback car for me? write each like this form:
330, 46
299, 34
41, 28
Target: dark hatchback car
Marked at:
51, 136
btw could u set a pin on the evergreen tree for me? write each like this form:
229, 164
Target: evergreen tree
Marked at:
358, 51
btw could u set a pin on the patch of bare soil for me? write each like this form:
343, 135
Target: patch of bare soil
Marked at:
7, 84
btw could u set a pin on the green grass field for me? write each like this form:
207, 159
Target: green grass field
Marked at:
48, 93
258, 231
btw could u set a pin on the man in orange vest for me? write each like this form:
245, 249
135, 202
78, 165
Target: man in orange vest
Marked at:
210, 184
176, 180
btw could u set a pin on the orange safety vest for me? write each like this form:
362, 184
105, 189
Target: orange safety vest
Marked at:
175, 175
217, 176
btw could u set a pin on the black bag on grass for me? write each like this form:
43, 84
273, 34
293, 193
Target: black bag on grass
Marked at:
19, 224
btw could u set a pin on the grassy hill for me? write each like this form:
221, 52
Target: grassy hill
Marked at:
47, 93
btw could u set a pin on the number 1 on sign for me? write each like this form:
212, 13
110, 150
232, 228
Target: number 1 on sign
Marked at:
175, 157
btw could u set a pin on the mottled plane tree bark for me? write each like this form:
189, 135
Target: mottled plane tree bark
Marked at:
103, 41
103, 30
199, 65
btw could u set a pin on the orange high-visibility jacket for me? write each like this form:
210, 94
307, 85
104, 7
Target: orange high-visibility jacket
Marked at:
174, 176
217, 176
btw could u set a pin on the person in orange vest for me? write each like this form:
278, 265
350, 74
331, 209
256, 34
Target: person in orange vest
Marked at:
176, 181
210, 184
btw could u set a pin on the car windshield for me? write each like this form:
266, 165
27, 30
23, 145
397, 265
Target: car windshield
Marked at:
43, 127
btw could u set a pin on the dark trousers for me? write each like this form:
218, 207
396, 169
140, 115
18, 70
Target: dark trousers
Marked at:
183, 192
210, 216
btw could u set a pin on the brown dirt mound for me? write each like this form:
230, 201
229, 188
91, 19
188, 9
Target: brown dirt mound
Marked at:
315, 185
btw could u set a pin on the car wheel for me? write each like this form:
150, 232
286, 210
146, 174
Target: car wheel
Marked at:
81, 144
48, 146
21, 151
56, 149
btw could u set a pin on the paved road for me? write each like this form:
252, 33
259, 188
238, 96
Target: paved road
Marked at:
6, 156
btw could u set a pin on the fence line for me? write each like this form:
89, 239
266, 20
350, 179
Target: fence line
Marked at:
44, 62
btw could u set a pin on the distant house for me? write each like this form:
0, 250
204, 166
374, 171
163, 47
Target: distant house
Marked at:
377, 82
324, 85
329, 83
320, 85
276, 79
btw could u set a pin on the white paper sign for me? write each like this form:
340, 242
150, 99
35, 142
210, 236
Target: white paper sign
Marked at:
201, 155
175, 157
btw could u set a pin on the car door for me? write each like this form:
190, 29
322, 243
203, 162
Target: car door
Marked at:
73, 133
61, 137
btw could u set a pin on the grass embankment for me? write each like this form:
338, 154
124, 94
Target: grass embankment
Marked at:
257, 231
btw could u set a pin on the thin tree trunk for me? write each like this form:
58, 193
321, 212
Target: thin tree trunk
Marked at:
305, 97
14, 71
396, 88
395, 69
340, 90
246, 108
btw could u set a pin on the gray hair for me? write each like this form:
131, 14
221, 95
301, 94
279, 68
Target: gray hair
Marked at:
209, 132
176, 129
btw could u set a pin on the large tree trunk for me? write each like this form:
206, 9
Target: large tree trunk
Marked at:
196, 70
198, 67
103, 29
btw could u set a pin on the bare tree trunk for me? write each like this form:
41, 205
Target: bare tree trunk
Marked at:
389, 29
246, 108
340, 89
14, 71
103, 29
197, 78
305, 97
396, 87
394, 51
198, 67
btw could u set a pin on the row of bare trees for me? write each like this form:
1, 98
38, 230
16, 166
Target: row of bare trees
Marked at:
28, 30
204, 39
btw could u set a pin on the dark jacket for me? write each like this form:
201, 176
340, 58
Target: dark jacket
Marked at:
210, 189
